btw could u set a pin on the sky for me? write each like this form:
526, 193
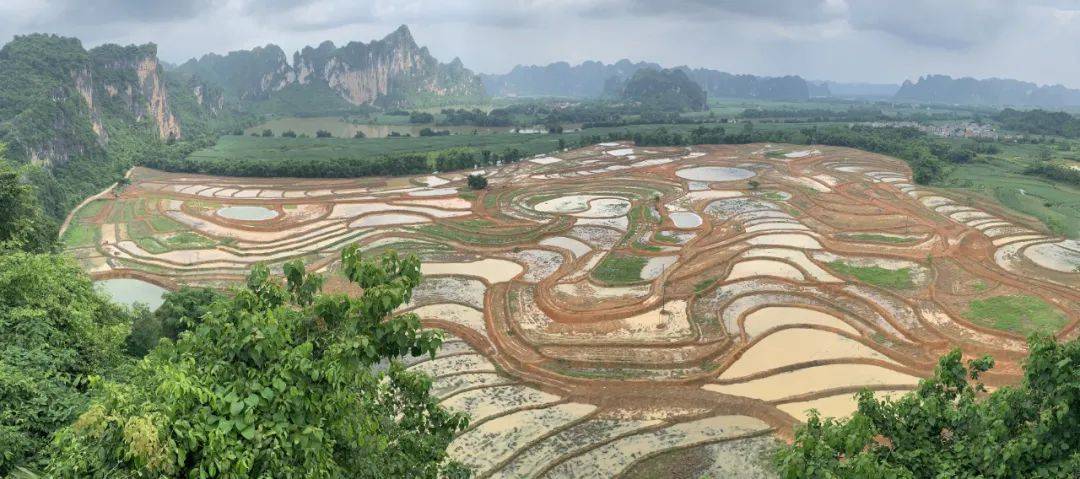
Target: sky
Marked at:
883, 41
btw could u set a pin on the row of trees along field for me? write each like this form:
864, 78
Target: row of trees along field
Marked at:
344, 167
930, 159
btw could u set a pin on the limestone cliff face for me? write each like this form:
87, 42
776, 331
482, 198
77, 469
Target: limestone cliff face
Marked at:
133, 76
84, 84
157, 102
394, 70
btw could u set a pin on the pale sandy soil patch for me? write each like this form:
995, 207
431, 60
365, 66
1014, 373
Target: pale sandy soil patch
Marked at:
1013, 239
483, 403
777, 226
807, 182
547, 160
791, 240
615, 457
828, 180
586, 290
797, 345
620, 223
1063, 256
764, 267
469, 317
575, 438
456, 289
491, 269
447, 385
455, 203
656, 265
433, 192
432, 181
817, 378
598, 237
841, 405
620, 152
795, 256
384, 219
498, 439
709, 195
576, 248
473, 363
605, 208
539, 263
769, 317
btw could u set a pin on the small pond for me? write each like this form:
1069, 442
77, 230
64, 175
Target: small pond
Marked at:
129, 291
685, 219
247, 213
714, 173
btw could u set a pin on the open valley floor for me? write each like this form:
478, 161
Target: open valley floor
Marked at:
615, 309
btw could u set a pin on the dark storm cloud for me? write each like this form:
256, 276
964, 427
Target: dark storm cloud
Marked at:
131, 10
705, 10
954, 24
869, 40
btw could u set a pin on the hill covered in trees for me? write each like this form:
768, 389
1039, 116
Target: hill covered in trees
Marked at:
84, 116
392, 72
669, 90
592, 79
988, 92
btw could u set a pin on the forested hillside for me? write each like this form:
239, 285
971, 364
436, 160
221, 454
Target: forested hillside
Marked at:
591, 79
81, 118
393, 71
991, 91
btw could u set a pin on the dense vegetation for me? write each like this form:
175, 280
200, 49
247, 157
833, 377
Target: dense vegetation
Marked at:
951, 427
277, 381
667, 90
270, 381
928, 159
1039, 122
46, 120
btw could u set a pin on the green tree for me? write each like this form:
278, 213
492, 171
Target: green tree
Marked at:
477, 182
267, 133
55, 333
23, 226
180, 310
950, 427
277, 381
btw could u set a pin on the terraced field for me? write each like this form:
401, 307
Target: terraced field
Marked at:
616, 309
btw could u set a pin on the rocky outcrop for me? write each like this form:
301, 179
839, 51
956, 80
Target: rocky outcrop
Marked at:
133, 76
157, 102
84, 84
391, 71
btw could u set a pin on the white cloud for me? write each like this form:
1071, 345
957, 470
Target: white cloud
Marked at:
864, 40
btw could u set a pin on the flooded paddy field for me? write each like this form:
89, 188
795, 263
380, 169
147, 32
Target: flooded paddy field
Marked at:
610, 306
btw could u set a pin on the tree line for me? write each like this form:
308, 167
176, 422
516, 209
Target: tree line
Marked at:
343, 167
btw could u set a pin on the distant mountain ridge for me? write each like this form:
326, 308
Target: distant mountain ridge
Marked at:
589, 79
393, 71
987, 92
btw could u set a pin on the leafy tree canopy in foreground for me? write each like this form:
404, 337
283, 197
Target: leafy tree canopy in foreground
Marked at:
949, 427
55, 332
276, 382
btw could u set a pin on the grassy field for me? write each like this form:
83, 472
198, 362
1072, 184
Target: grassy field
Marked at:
1055, 204
619, 268
876, 276
1018, 313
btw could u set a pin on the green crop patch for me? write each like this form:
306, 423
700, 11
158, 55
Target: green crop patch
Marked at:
876, 275
1021, 314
